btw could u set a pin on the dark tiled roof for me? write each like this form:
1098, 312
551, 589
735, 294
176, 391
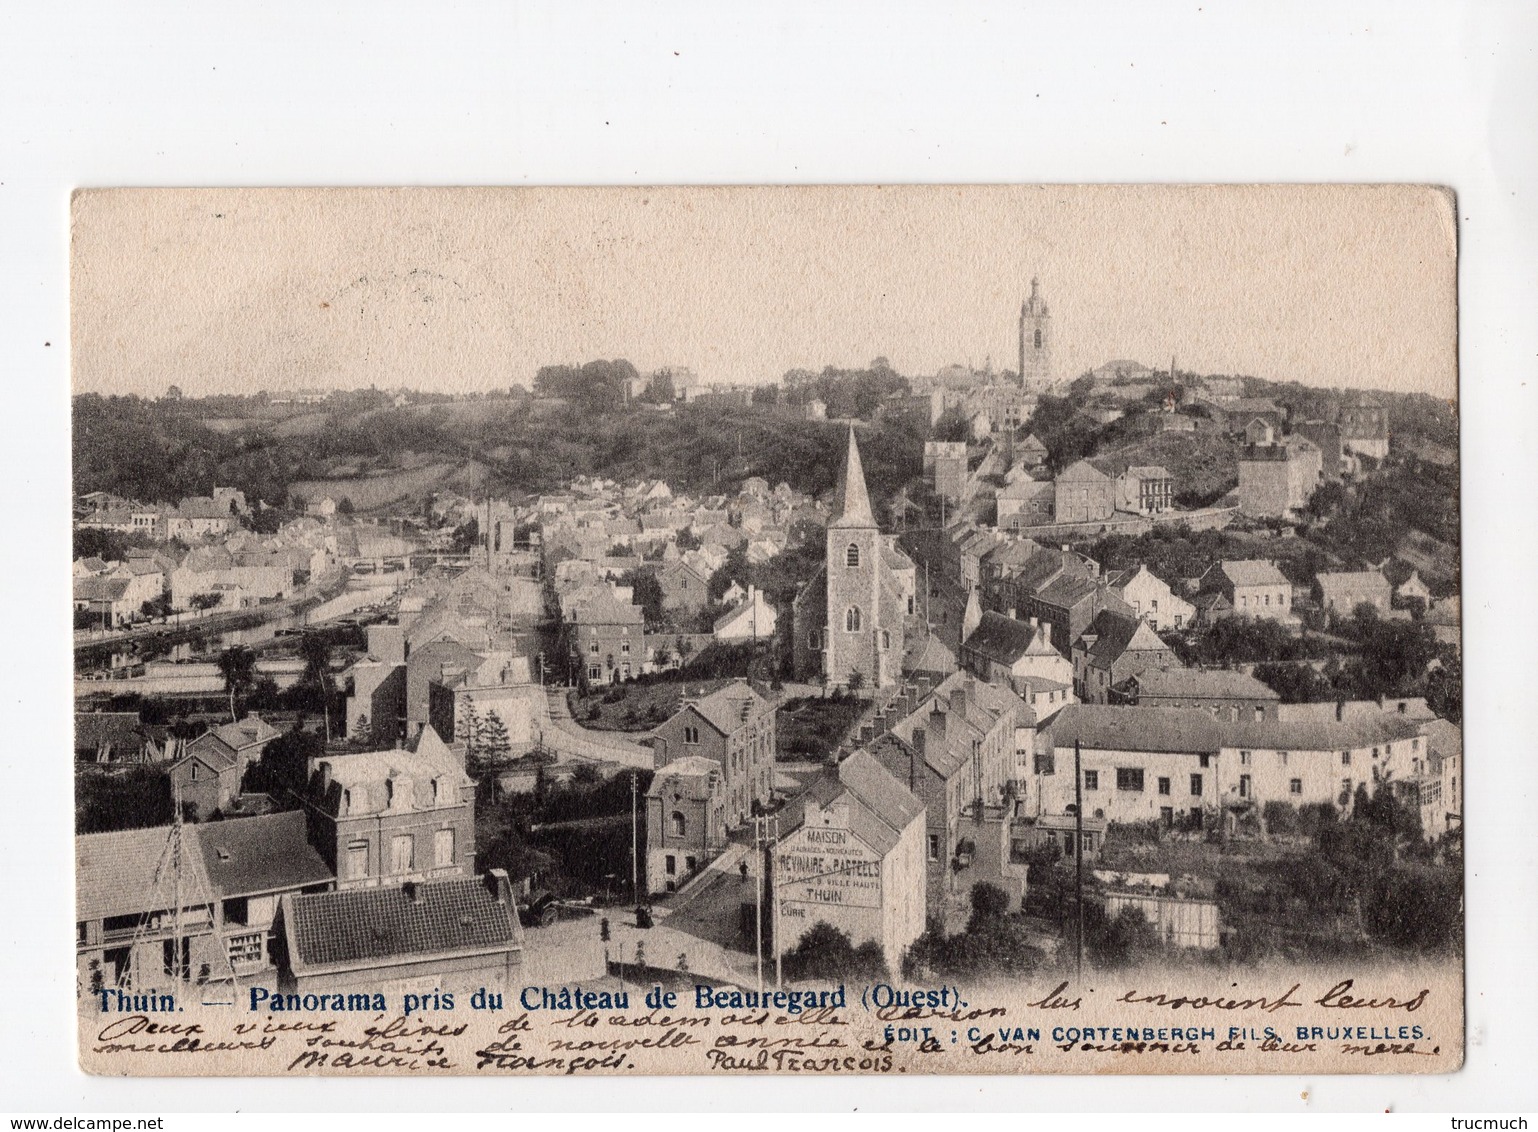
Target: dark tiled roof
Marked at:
118, 729
414, 921
1001, 638
1162, 729
1067, 591
270, 853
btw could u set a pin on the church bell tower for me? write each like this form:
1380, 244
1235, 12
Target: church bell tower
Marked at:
1035, 340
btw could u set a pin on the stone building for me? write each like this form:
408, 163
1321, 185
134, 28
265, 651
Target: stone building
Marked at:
849, 620
1035, 340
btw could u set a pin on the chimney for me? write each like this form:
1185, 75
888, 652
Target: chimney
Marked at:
324, 767
936, 723
959, 698
501, 888
880, 721
1032, 622
918, 740
867, 732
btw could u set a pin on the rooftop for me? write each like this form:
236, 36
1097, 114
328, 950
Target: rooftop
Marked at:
269, 853
1253, 572
1163, 729
1202, 683
115, 873
418, 920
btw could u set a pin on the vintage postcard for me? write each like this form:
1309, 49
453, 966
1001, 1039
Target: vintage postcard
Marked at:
860, 630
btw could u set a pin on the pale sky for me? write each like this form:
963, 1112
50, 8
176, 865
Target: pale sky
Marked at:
221, 290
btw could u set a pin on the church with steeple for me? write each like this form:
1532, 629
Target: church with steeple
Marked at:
1035, 340
850, 619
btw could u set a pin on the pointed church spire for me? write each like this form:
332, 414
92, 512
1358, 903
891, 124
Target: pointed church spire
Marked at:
853, 504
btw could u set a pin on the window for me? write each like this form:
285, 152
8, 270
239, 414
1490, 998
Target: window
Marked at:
443, 848
1268, 599
1244, 601
1282, 756
1092, 780
1038, 339
594, 672
910, 605
1164, 786
1244, 758
670, 863
1260, 714
691, 734
886, 640
624, 648
1279, 600
814, 639
1129, 778
690, 864
852, 555
1244, 786
1196, 786
1046, 764
593, 648
852, 619
934, 846
1295, 786
401, 854
678, 824
357, 861
1204, 761
1345, 758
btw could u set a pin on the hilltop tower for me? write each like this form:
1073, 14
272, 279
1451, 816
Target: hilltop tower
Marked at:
1035, 340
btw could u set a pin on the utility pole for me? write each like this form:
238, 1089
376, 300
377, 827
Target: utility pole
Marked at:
774, 897
758, 903
635, 863
1078, 856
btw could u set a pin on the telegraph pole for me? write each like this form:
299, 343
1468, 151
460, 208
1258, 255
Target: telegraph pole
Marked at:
1078, 856
635, 864
758, 909
774, 897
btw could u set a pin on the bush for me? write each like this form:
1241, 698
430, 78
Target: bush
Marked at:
1281, 818
825, 954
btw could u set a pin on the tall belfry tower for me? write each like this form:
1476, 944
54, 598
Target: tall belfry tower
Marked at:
853, 641
1035, 340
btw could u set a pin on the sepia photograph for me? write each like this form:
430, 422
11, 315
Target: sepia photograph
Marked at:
862, 629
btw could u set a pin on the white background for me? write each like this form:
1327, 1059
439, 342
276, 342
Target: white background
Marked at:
436, 93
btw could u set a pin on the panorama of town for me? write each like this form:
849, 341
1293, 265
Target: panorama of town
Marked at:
615, 677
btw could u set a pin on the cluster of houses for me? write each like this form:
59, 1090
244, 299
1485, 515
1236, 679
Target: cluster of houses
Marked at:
369, 885
589, 543
976, 740
218, 564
